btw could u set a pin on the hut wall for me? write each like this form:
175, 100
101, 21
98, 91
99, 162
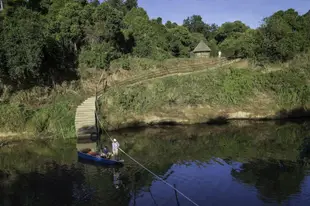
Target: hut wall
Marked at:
203, 54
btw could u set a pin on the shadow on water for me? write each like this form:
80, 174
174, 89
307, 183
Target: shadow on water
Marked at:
298, 116
294, 113
221, 120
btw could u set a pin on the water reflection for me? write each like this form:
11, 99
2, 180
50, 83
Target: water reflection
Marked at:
53, 187
116, 178
261, 164
274, 179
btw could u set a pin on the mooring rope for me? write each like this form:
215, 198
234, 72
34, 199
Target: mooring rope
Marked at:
161, 179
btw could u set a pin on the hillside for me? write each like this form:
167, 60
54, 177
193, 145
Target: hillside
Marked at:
212, 95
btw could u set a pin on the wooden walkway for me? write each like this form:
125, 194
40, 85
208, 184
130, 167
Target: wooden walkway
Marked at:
85, 121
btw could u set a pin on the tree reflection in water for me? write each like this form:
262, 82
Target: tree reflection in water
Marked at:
275, 180
26, 179
78, 184
53, 187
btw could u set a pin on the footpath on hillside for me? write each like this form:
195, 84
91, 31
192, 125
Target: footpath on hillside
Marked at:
177, 71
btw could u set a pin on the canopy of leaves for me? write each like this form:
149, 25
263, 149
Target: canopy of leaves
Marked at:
44, 41
23, 41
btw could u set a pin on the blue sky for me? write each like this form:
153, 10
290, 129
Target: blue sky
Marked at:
251, 12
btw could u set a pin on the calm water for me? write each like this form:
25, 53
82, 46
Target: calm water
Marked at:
247, 164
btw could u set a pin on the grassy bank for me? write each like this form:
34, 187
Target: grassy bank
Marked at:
193, 98
211, 94
41, 111
44, 111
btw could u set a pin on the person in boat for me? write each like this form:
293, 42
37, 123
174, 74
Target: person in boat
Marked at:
115, 147
105, 152
93, 153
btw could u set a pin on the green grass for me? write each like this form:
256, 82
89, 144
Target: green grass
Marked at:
41, 112
284, 89
224, 87
144, 64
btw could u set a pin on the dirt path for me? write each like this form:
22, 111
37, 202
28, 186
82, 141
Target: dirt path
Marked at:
14, 135
9, 134
135, 80
183, 73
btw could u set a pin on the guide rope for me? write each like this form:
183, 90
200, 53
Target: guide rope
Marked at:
161, 179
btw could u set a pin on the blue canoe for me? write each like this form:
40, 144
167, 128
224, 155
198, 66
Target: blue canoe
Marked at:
99, 160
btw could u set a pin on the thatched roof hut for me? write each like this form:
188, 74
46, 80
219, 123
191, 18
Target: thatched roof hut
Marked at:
202, 50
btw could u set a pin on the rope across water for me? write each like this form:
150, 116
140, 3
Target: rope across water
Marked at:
161, 179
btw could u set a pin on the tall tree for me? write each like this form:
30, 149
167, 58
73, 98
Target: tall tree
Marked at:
117, 4
230, 28
171, 25
23, 44
130, 4
195, 24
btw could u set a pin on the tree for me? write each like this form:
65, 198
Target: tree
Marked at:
69, 23
54, 33
130, 4
149, 37
180, 41
282, 35
105, 39
170, 25
95, 2
195, 24
23, 44
109, 20
117, 4
210, 31
229, 28
159, 20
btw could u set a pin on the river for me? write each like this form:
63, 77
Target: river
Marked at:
234, 164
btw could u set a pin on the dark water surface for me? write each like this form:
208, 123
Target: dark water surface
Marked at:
245, 164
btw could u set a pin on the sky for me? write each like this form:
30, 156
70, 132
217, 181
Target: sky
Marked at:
251, 12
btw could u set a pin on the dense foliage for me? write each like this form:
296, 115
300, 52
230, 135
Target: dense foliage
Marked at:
43, 42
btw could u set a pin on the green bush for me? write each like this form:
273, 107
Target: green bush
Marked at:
290, 87
98, 55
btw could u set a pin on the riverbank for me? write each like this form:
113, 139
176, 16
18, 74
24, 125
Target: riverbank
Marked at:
43, 112
211, 96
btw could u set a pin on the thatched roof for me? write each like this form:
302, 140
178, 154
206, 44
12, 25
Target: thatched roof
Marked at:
202, 47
